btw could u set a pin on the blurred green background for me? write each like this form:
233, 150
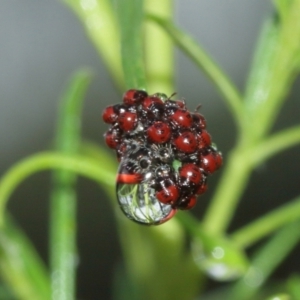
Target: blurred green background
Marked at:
42, 43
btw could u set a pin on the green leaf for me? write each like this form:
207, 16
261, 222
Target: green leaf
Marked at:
157, 262
193, 50
283, 7
130, 16
228, 193
82, 165
280, 297
63, 253
159, 60
20, 265
265, 261
216, 256
5, 293
293, 286
274, 70
274, 144
256, 230
100, 24
262, 60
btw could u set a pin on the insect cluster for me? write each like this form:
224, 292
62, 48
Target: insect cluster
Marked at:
165, 155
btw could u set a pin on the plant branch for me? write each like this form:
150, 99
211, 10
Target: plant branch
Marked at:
237, 171
192, 49
293, 286
265, 261
78, 164
229, 190
276, 68
275, 144
63, 198
159, 60
21, 267
130, 16
100, 24
265, 225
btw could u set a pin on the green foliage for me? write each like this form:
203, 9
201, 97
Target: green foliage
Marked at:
63, 254
130, 15
157, 263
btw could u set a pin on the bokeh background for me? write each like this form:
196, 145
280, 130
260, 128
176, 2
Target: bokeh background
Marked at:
42, 43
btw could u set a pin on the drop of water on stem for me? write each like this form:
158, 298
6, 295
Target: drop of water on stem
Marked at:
218, 258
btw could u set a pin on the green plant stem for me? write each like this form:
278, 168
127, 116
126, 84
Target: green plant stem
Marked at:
262, 89
189, 223
78, 164
237, 171
159, 61
230, 188
239, 166
63, 254
293, 286
100, 23
20, 265
265, 225
280, 296
275, 144
265, 262
130, 16
281, 54
192, 49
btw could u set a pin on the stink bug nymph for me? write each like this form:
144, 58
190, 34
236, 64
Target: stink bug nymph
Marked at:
165, 155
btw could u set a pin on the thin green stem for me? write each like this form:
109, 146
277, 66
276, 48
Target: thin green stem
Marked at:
282, 7
100, 23
275, 144
189, 223
78, 164
276, 70
293, 286
265, 261
230, 188
63, 253
192, 49
265, 225
159, 60
130, 16
236, 174
280, 296
205, 244
20, 265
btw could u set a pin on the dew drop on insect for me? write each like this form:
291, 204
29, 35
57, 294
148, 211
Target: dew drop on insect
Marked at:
138, 203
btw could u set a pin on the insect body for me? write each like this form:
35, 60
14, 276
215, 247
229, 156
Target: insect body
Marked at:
137, 182
165, 155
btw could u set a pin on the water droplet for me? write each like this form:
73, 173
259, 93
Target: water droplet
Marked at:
254, 277
218, 258
88, 4
135, 192
280, 297
138, 202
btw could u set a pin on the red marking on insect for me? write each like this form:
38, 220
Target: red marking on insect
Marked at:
129, 178
168, 217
